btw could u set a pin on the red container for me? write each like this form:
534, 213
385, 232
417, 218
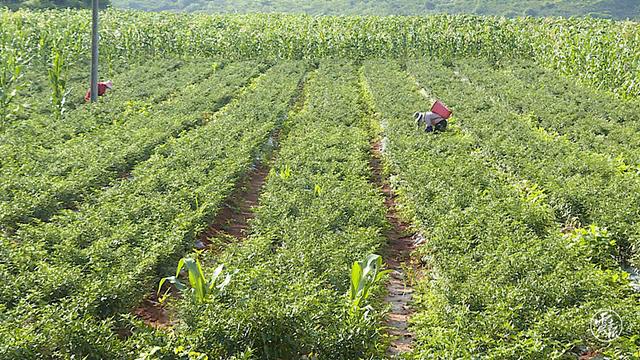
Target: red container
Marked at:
441, 109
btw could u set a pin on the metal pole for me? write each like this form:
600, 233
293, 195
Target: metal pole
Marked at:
94, 53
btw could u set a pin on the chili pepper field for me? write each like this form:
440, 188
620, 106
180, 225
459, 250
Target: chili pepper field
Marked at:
224, 200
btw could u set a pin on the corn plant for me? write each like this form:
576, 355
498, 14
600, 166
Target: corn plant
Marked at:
58, 83
364, 275
198, 287
285, 173
599, 52
11, 73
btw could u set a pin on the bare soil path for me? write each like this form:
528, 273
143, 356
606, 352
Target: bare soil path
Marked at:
397, 258
232, 221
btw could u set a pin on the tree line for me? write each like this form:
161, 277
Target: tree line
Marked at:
51, 4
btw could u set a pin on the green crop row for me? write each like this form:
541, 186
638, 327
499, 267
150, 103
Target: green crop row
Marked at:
600, 52
501, 281
595, 120
318, 213
34, 93
69, 283
584, 187
59, 177
35, 96
139, 90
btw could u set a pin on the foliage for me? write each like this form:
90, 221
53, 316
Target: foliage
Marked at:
94, 206
599, 52
365, 275
11, 74
592, 119
503, 281
96, 263
201, 290
620, 9
51, 4
57, 81
595, 244
85, 151
585, 181
288, 299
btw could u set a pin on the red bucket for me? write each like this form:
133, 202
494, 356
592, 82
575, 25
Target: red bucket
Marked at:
441, 109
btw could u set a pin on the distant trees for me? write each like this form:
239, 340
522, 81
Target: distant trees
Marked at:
618, 9
51, 4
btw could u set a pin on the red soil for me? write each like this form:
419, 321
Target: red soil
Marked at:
401, 244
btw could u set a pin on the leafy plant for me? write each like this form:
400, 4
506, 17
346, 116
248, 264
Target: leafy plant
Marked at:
200, 289
148, 208
57, 81
11, 74
365, 275
598, 52
595, 243
285, 173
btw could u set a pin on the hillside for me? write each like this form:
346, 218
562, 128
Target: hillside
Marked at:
618, 9
51, 4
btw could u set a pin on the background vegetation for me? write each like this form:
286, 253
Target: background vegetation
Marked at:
617, 9
51, 4
599, 52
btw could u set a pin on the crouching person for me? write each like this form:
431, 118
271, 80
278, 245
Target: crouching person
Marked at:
102, 89
432, 121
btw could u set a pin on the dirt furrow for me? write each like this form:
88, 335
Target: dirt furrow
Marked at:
232, 221
398, 259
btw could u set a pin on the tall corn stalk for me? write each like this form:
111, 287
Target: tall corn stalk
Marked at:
11, 74
57, 81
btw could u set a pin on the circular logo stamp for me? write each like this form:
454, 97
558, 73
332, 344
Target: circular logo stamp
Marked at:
606, 325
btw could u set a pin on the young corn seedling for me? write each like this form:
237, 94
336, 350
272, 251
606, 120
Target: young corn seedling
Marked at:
364, 275
200, 290
285, 173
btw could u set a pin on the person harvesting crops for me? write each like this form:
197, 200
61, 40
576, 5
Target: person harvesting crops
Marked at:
431, 120
434, 120
102, 89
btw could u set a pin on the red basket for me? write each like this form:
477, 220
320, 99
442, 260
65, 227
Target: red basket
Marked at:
441, 109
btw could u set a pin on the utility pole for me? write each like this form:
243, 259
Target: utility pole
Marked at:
94, 53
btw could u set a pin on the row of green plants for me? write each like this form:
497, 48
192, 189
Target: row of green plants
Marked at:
302, 284
141, 87
584, 187
11, 81
595, 120
600, 52
503, 277
31, 90
71, 284
46, 180
604, 54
